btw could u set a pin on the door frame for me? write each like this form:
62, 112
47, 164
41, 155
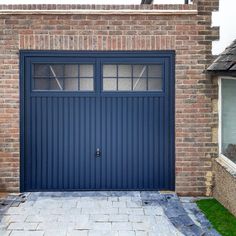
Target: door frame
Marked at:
25, 56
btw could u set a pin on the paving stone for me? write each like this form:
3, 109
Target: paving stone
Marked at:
186, 220
27, 233
212, 232
4, 219
187, 199
141, 226
12, 197
57, 211
99, 218
102, 233
4, 226
77, 218
15, 204
193, 218
71, 204
7, 202
113, 199
50, 218
83, 223
77, 233
78, 211
125, 198
175, 211
134, 204
125, 193
15, 211
136, 218
33, 218
87, 204
141, 233
126, 233
118, 218
153, 210
149, 195
53, 226
4, 209
101, 226
99, 210
121, 226
55, 232
17, 218
49, 195
104, 204
135, 211
165, 228
5, 232
119, 204
22, 226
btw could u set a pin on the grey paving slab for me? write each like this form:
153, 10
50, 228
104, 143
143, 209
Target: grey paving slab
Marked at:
102, 233
77, 233
55, 232
101, 213
127, 233
27, 233
118, 218
5, 232
141, 233
122, 226
22, 226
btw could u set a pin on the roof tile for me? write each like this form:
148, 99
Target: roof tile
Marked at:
226, 61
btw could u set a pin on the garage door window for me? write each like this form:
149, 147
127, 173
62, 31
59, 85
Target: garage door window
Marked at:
135, 77
63, 77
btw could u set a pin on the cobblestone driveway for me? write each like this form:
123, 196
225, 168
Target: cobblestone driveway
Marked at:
88, 213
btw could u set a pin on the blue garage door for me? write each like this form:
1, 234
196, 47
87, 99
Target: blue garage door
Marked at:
97, 121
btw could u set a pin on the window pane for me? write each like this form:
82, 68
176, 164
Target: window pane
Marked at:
41, 70
124, 71
56, 70
61, 77
154, 71
140, 84
41, 83
56, 83
109, 84
154, 84
140, 71
71, 71
228, 119
71, 84
86, 84
124, 84
109, 71
86, 71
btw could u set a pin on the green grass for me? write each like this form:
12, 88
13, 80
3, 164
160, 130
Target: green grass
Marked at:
221, 219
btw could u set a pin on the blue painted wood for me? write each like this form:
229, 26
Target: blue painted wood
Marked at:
60, 131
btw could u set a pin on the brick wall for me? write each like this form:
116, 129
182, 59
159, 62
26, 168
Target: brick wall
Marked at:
183, 28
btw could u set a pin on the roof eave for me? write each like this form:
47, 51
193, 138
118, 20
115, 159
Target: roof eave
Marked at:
220, 73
